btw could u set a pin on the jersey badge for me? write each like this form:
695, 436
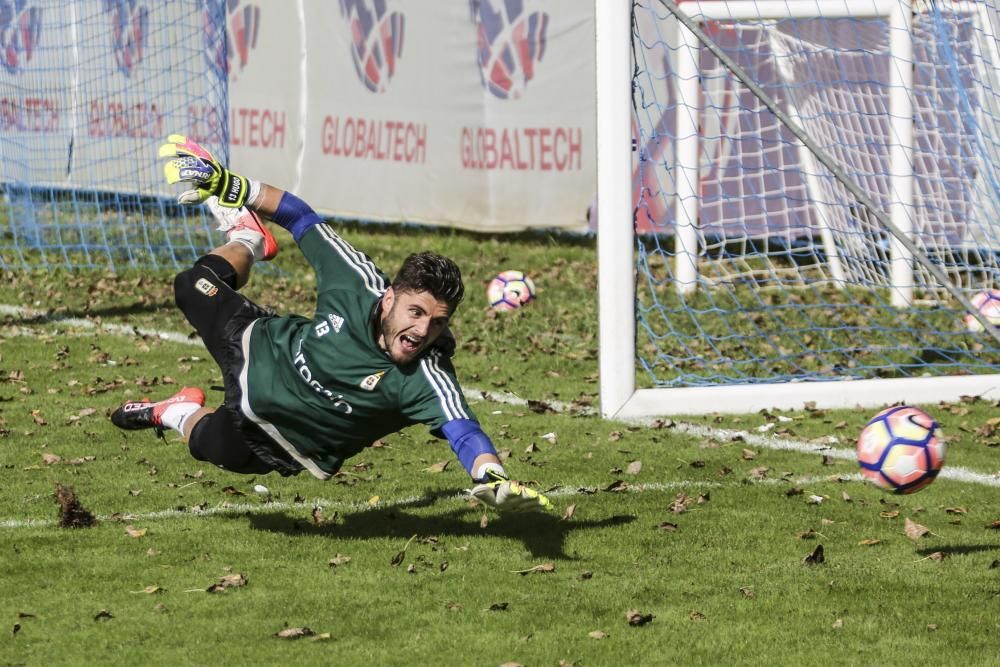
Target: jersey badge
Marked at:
205, 287
368, 384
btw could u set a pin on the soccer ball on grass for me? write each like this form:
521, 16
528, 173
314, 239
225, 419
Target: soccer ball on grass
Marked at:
510, 290
987, 303
901, 449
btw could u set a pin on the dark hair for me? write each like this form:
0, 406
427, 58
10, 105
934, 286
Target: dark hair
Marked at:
434, 273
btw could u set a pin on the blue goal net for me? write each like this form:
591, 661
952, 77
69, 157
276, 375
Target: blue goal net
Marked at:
89, 89
754, 264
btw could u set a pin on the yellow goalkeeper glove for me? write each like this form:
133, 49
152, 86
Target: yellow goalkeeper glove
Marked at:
191, 163
501, 493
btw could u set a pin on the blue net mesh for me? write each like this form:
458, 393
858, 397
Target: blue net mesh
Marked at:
793, 277
88, 92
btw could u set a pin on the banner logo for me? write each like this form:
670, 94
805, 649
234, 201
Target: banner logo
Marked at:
511, 43
20, 28
129, 24
244, 24
376, 40
223, 46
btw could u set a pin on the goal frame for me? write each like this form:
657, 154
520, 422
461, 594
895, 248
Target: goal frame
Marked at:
616, 248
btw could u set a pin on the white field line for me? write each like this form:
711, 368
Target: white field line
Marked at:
273, 506
45, 317
473, 394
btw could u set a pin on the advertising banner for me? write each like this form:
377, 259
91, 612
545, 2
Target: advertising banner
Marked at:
476, 114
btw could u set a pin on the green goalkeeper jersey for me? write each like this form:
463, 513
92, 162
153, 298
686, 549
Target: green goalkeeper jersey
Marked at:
323, 389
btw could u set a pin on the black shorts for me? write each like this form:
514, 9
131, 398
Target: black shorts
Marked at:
220, 315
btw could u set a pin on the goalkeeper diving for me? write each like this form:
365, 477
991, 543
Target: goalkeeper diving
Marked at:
305, 394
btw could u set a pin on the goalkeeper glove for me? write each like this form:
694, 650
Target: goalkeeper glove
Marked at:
193, 164
501, 493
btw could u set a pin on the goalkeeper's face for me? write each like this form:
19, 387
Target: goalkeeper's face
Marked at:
411, 322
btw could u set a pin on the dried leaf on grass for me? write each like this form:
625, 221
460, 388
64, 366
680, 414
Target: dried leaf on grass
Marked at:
339, 559
636, 617
914, 530
71, 513
317, 515
398, 558
228, 581
817, 556
680, 503
150, 590
543, 568
294, 633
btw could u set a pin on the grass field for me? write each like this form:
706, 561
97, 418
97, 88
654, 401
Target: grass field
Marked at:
675, 542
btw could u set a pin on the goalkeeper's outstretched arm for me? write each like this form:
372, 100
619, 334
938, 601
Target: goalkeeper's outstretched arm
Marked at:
193, 165
493, 486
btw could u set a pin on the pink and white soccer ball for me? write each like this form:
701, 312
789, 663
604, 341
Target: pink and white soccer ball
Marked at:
987, 303
901, 449
510, 290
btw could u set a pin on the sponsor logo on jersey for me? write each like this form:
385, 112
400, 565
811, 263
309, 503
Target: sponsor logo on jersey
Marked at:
302, 366
368, 384
332, 321
206, 287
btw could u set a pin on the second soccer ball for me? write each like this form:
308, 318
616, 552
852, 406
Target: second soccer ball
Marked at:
987, 303
901, 449
510, 290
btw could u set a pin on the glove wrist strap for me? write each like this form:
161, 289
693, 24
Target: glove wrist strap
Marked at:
233, 190
489, 472
253, 191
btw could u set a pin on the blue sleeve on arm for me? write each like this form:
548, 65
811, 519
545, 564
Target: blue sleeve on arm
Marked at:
467, 441
295, 215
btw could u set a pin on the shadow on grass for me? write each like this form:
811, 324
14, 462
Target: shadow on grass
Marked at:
87, 312
543, 535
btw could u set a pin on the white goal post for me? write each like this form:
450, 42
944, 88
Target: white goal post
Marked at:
910, 283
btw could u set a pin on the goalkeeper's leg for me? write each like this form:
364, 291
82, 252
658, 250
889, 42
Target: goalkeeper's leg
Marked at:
206, 294
216, 438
